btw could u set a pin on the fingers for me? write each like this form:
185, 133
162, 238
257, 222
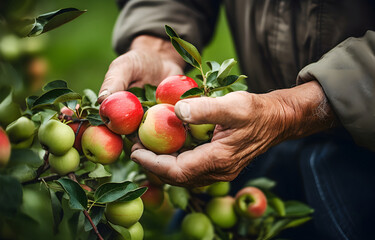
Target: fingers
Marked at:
185, 169
117, 78
220, 110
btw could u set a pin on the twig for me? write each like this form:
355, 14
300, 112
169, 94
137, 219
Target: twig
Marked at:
39, 179
73, 177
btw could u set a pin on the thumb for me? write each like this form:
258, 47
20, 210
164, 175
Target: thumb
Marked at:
203, 110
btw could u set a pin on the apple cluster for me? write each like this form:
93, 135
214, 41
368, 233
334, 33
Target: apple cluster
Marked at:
222, 210
159, 129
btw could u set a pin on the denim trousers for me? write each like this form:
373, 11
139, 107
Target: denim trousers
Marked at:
329, 172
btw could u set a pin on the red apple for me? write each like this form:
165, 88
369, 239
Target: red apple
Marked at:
154, 196
161, 131
4, 148
77, 142
251, 202
101, 145
171, 88
122, 112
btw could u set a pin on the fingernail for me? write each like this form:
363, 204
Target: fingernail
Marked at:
184, 110
103, 93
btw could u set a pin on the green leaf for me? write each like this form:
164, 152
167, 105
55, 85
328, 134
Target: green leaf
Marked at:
229, 80
72, 104
133, 194
178, 196
262, 183
54, 85
124, 232
30, 101
211, 80
139, 92
238, 86
170, 32
77, 196
194, 92
50, 97
68, 97
150, 92
297, 222
99, 172
49, 21
225, 68
190, 48
184, 54
297, 209
277, 204
57, 210
276, 228
95, 119
89, 98
11, 195
22, 173
25, 157
214, 66
96, 214
110, 192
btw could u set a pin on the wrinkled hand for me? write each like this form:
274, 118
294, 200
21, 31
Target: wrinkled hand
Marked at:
247, 125
149, 60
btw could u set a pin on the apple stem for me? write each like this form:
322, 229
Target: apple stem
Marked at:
73, 177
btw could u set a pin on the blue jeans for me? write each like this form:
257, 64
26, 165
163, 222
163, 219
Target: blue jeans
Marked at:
331, 174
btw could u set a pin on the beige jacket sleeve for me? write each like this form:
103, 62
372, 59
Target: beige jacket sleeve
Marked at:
347, 75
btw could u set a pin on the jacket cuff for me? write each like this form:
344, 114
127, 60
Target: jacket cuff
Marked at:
347, 76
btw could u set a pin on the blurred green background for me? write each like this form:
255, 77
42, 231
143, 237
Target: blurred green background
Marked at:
80, 51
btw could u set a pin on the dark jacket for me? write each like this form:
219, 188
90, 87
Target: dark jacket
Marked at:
279, 41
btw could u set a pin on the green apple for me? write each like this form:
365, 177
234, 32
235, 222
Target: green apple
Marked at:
202, 132
218, 189
136, 231
9, 112
101, 145
66, 163
197, 226
21, 132
56, 136
124, 213
4, 148
221, 211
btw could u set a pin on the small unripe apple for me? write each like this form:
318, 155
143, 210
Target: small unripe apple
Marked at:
66, 163
154, 196
221, 211
4, 148
218, 189
122, 112
101, 145
171, 89
9, 112
56, 136
196, 226
251, 202
161, 131
77, 142
124, 213
21, 132
136, 231
202, 132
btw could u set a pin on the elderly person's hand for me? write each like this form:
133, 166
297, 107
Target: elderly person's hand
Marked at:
149, 60
247, 125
